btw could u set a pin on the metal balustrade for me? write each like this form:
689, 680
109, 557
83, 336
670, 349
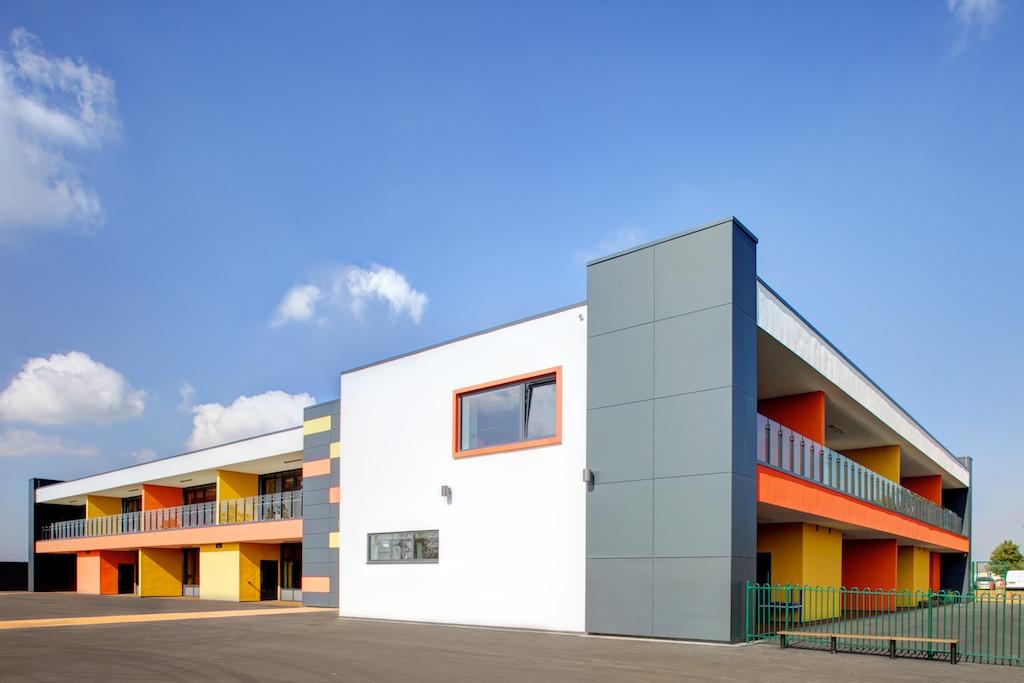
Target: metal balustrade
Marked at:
268, 507
791, 452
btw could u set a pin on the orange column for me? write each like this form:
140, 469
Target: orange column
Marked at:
929, 487
934, 572
803, 413
870, 565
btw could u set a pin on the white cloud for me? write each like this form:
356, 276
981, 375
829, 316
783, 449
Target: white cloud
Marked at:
385, 284
298, 303
142, 455
349, 290
974, 12
52, 110
973, 16
23, 442
620, 240
186, 392
247, 416
66, 388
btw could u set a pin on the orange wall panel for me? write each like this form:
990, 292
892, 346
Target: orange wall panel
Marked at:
804, 413
109, 559
155, 497
314, 468
88, 573
935, 572
929, 487
871, 565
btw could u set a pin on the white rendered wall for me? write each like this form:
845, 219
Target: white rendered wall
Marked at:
512, 542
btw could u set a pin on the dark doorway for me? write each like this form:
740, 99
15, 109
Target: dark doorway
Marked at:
764, 568
125, 579
190, 572
268, 579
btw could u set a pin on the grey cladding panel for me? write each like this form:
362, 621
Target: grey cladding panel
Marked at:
620, 292
318, 439
744, 294
688, 433
693, 516
316, 453
619, 519
693, 272
692, 597
619, 596
744, 360
693, 352
619, 442
744, 516
620, 367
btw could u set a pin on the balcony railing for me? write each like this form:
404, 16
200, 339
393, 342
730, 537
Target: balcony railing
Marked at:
272, 506
791, 452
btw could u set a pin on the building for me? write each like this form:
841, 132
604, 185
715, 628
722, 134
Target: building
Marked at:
622, 466
250, 520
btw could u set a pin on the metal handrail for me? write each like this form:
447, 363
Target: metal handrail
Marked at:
783, 449
268, 507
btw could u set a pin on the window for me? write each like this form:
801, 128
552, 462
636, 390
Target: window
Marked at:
402, 546
279, 482
291, 565
133, 504
207, 493
519, 412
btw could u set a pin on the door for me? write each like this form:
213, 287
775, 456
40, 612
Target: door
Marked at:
268, 579
125, 579
764, 568
190, 572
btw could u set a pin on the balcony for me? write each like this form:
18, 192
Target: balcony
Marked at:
788, 451
265, 508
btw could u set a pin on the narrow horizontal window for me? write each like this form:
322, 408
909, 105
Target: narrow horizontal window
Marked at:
403, 546
510, 414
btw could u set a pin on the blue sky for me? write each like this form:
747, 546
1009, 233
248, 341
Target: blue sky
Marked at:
398, 174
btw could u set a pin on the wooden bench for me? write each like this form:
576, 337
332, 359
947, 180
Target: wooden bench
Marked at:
833, 637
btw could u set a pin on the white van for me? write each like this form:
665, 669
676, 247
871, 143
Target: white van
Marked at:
1015, 580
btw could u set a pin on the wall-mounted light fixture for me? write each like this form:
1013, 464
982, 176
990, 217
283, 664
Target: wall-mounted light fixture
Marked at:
291, 461
133, 490
446, 492
184, 480
588, 475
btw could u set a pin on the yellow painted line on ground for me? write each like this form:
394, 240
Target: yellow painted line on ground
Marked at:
142, 618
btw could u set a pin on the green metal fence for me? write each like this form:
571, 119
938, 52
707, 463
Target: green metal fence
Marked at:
989, 625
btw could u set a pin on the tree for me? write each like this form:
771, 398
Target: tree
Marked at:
1005, 557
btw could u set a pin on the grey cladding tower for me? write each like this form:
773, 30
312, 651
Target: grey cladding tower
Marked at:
672, 355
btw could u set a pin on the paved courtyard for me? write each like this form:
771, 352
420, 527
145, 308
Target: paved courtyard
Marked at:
292, 646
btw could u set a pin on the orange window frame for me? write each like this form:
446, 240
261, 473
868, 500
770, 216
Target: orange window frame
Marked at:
518, 445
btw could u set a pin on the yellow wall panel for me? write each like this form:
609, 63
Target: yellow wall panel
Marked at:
822, 566
785, 543
219, 572
101, 506
805, 555
316, 425
250, 555
159, 572
912, 567
883, 460
231, 486
335, 449
332, 539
